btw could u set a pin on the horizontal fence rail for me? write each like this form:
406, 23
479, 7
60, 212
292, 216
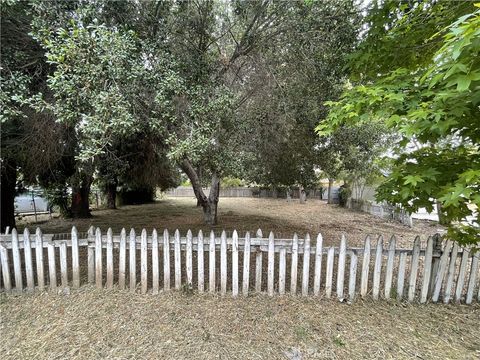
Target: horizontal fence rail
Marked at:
239, 265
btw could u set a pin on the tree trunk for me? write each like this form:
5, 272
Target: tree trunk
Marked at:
302, 195
330, 195
442, 220
111, 192
209, 204
80, 198
8, 180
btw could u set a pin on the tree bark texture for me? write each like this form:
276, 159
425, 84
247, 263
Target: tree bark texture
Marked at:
8, 180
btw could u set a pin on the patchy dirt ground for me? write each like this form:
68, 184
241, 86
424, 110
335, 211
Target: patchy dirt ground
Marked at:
90, 323
247, 214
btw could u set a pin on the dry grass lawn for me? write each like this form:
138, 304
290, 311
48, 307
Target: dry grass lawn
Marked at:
247, 214
92, 324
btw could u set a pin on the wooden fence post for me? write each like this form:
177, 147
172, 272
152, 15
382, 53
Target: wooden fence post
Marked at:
223, 263
91, 255
200, 262
294, 265
412, 284
17, 261
98, 259
39, 259
306, 265
143, 262
365, 267
133, 263
5, 268
246, 264
27, 252
211, 263
75, 259
427, 271
178, 260
109, 259
318, 266
122, 257
390, 264
155, 265
235, 263
166, 260
378, 268
341, 267
271, 264
437, 248
189, 258
258, 264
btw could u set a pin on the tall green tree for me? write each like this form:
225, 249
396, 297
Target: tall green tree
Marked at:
433, 104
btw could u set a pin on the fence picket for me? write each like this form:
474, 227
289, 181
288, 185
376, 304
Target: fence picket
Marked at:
223, 263
189, 259
235, 263
390, 263
51, 266
378, 268
306, 265
246, 264
133, 261
402, 264
341, 267
17, 261
200, 263
166, 260
27, 252
450, 274
353, 276
91, 255
441, 271
318, 266
365, 267
471, 281
329, 278
109, 259
98, 258
211, 263
294, 265
461, 275
39, 259
122, 258
143, 262
427, 270
63, 264
282, 270
271, 264
178, 260
5, 268
155, 265
412, 284
75, 259
258, 264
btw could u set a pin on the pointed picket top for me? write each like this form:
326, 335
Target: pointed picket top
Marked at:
14, 232
177, 234
319, 238
74, 230
200, 233
38, 231
144, 232
271, 236
154, 232
224, 234
189, 233
295, 236
109, 232
235, 234
259, 233
165, 233
132, 233
26, 233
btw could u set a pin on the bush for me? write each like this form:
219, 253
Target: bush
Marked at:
344, 193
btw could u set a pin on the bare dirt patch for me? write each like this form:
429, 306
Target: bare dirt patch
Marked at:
114, 324
248, 214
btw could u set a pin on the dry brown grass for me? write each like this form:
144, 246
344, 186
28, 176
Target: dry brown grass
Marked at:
114, 324
247, 214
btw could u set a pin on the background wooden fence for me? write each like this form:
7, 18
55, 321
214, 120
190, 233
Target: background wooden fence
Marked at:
240, 265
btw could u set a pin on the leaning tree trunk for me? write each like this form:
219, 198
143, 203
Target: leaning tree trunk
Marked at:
111, 193
80, 198
330, 194
8, 180
209, 204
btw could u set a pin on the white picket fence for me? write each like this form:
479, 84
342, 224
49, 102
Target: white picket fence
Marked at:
240, 265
